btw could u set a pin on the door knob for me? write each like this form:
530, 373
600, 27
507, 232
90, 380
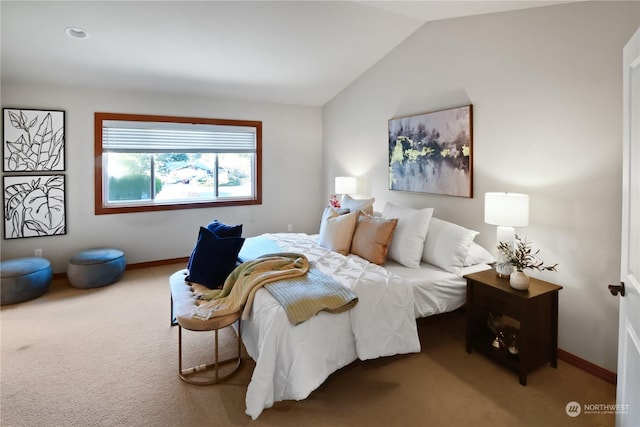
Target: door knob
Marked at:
617, 289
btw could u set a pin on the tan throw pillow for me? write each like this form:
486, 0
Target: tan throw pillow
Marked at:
330, 212
337, 230
372, 237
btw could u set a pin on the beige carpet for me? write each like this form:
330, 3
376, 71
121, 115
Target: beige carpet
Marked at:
108, 357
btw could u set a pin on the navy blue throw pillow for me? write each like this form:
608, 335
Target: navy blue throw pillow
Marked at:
224, 230
220, 229
213, 259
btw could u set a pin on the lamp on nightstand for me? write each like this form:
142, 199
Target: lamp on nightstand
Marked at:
345, 185
506, 210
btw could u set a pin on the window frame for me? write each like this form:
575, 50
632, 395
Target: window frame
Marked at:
99, 191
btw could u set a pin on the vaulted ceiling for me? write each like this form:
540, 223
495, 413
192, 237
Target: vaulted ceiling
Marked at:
298, 52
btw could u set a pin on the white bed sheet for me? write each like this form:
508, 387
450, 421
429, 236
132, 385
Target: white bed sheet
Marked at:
435, 290
292, 361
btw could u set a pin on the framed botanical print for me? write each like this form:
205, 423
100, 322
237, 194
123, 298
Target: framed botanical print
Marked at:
33, 140
34, 206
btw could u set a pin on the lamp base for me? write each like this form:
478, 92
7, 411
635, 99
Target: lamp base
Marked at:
504, 269
505, 235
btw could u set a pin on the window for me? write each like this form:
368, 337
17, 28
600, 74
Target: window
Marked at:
149, 163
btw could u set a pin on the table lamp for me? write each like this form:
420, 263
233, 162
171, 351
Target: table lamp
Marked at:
506, 210
345, 185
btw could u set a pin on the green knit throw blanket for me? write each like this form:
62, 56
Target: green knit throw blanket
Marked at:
303, 292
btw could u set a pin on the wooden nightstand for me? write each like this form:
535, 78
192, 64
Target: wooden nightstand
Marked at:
530, 321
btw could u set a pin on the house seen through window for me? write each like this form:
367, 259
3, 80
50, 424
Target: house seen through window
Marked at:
156, 162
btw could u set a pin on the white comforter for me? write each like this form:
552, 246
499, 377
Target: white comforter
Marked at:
292, 361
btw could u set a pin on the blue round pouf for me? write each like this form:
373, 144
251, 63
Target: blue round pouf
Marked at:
94, 268
24, 279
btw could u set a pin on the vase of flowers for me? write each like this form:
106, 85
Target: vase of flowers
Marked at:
522, 257
334, 202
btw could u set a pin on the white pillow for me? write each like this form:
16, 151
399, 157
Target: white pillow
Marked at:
357, 205
336, 231
478, 255
407, 243
447, 245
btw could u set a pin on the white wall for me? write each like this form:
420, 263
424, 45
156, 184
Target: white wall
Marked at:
291, 179
546, 86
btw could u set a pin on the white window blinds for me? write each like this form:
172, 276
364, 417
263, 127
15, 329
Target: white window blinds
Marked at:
160, 137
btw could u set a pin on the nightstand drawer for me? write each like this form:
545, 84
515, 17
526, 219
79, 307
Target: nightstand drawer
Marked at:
492, 299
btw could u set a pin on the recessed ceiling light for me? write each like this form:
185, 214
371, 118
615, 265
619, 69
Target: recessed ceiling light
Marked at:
76, 33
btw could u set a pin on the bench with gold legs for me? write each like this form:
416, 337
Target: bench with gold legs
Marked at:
183, 302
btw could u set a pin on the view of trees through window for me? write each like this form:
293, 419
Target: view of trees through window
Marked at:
151, 163
178, 176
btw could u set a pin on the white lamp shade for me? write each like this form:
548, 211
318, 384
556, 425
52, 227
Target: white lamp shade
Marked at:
345, 185
506, 209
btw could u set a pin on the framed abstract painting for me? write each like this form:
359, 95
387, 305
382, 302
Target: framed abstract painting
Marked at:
432, 152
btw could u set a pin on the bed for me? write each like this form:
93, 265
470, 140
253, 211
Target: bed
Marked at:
292, 361
417, 274
435, 291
